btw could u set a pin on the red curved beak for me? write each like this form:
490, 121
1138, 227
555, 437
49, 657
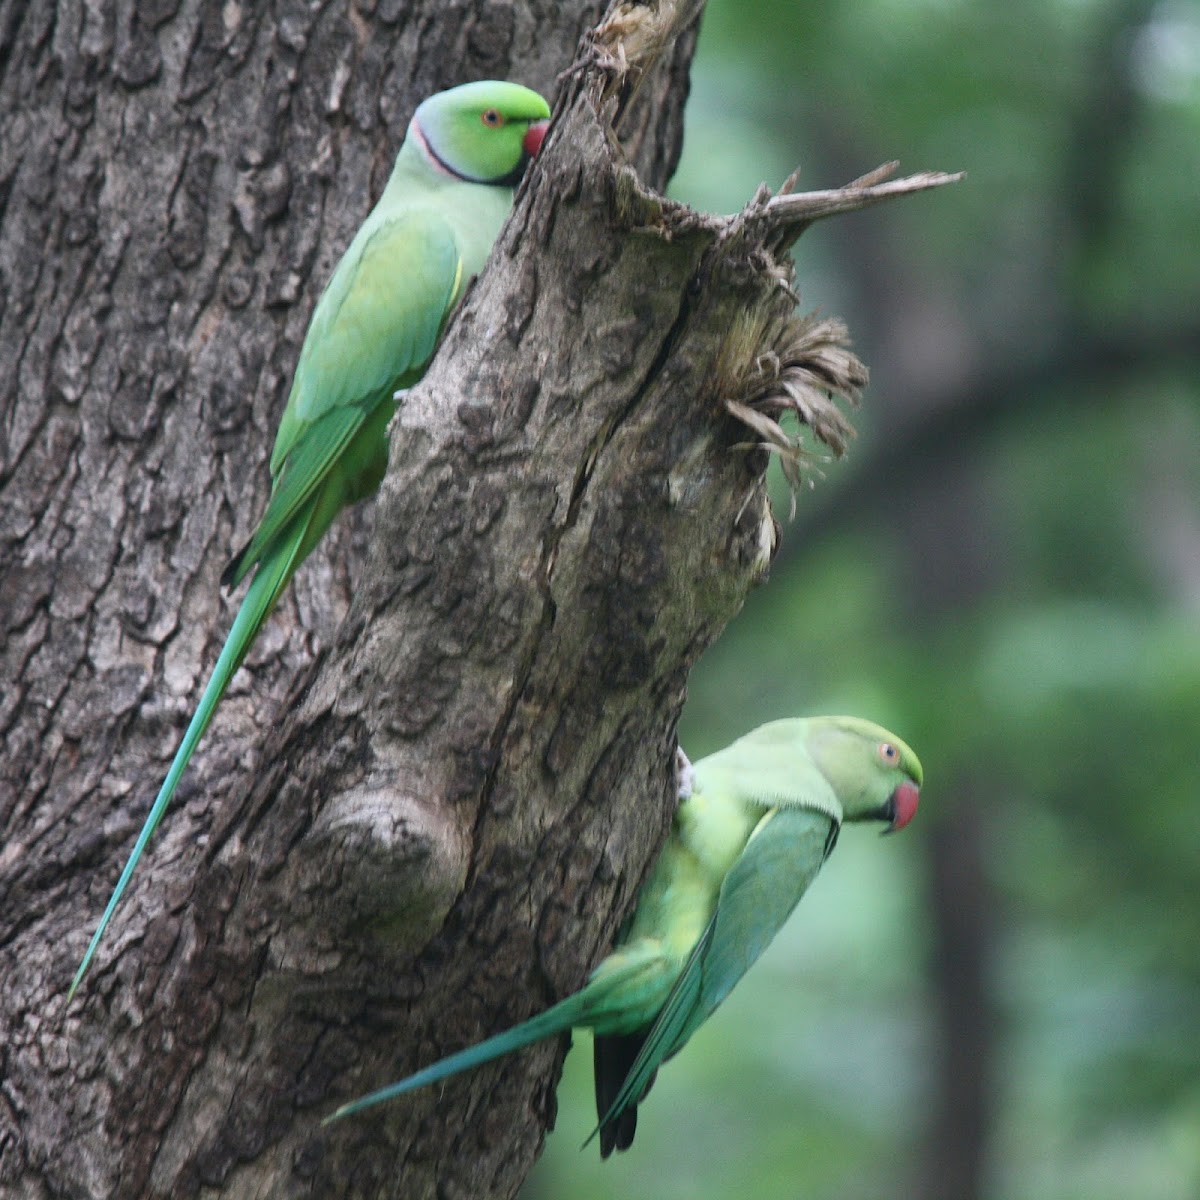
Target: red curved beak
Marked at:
534, 136
903, 805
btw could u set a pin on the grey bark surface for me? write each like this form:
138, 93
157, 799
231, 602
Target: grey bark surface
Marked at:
427, 802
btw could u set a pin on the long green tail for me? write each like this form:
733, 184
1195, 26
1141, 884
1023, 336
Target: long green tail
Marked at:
269, 581
564, 1015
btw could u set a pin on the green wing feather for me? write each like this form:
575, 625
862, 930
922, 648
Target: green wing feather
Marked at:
377, 320
780, 861
375, 329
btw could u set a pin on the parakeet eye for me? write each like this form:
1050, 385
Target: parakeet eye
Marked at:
889, 753
492, 117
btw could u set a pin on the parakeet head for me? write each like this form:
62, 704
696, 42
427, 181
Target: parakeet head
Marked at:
877, 776
481, 132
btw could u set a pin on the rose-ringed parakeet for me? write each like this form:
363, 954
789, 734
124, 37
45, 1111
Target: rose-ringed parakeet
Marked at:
762, 817
372, 333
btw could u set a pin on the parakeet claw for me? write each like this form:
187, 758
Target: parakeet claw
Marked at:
684, 773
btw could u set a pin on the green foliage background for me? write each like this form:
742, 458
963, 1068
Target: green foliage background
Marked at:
1005, 570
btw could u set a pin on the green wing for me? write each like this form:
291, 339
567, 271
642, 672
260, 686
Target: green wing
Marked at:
780, 861
374, 329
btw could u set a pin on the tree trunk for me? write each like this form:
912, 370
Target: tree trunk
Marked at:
441, 829
959, 1136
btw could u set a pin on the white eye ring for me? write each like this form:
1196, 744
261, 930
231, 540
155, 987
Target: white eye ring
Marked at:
888, 752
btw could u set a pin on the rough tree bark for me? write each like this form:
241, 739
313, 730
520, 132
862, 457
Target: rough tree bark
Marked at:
441, 828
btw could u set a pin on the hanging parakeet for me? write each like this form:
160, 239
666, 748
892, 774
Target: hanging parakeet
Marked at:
373, 333
762, 817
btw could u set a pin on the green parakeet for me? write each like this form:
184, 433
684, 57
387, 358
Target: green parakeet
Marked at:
761, 818
372, 334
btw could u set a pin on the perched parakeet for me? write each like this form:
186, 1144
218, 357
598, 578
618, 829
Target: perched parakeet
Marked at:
372, 333
762, 816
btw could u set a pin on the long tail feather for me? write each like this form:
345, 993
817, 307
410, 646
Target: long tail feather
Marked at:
269, 581
562, 1016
